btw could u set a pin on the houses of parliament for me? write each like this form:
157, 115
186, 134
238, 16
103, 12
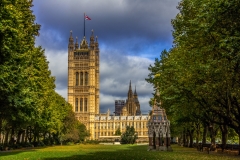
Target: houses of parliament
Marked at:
83, 95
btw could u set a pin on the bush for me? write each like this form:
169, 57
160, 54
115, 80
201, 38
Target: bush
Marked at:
26, 144
92, 142
130, 136
69, 143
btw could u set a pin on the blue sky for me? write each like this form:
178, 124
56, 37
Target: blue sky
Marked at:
131, 34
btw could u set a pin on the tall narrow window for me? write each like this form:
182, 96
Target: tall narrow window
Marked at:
81, 104
76, 105
86, 78
81, 78
85, 104
77, 78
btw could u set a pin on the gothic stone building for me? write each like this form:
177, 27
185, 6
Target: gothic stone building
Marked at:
130, 107
83, 94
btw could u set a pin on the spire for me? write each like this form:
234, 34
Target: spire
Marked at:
71, 38
130, 90
71, 42
96, 43
76, 44
92, 32
135, 92
92, 40
130, 86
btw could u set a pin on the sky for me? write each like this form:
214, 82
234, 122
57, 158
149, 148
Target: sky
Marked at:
131, 34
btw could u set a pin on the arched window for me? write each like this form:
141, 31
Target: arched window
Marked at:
81, 78
85, 104
81, 104
86, 78
76, 105
77, 78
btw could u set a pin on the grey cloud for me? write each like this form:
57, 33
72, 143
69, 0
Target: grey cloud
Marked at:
128, 24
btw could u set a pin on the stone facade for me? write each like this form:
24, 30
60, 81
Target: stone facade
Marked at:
83, 94
106, 125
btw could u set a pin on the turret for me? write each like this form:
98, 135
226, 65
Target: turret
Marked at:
84, 44
96, 44
76, 43
70, 42
92, 41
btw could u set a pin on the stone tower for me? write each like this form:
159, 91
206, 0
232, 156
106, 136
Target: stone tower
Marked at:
83, 78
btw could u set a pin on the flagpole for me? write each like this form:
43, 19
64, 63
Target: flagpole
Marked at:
84, 24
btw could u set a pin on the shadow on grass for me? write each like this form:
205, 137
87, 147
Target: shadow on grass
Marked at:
127, 153
18, 151
131, 152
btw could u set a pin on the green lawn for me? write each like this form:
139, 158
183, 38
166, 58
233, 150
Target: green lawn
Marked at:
104, 152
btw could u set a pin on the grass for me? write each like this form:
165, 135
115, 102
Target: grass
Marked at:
105, 152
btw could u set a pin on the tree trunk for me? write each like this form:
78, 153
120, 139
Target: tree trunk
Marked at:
191, 141
224, 130
34, 138
212, 135
1, 132
12, 140
3, 138
26, 136
190, 133
19, 136
6, 137
38, 137
23, 136
180, 140
239, 142
205, 130
184, 138
197, 134
187, 143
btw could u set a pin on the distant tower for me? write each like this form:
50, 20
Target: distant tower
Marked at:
118, 106
138, 111
83, 78
132, 105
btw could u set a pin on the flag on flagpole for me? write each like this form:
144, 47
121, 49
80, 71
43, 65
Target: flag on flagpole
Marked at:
87, 18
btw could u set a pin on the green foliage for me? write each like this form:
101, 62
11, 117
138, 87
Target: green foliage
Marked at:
27, 95
118, 132
129, 136
199, 77
75, 131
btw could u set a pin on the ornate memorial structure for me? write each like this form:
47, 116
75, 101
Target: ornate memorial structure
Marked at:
159, 129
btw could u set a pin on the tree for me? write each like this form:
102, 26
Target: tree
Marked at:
199, 76
28, 101
129, 136
118, 132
